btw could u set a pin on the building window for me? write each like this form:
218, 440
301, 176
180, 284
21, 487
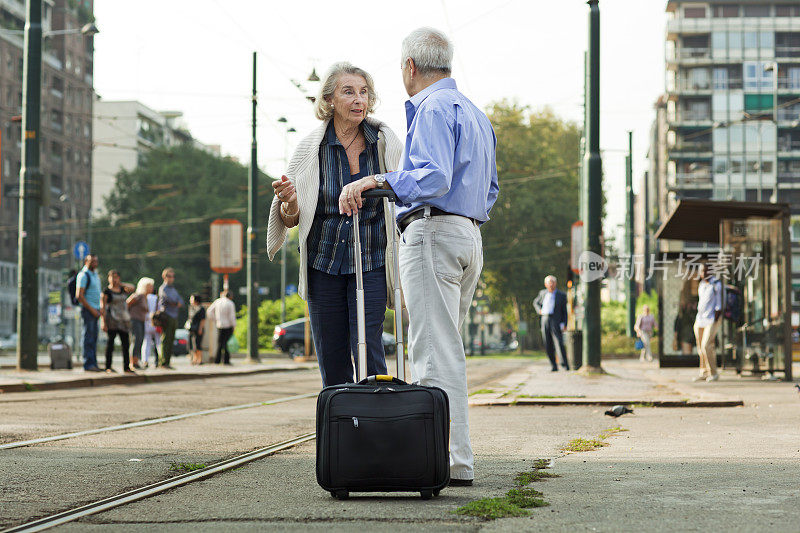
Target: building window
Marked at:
756, 11
726, 11
755, 75
787, 11
694, 12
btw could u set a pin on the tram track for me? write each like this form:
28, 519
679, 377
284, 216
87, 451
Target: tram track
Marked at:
146, 491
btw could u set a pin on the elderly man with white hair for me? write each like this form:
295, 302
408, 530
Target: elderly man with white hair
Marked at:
446, 186
551, 306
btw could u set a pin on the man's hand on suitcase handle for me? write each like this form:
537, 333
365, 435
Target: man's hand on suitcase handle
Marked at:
353, 194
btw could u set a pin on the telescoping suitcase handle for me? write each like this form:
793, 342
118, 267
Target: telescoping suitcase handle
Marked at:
361, 372
381, 378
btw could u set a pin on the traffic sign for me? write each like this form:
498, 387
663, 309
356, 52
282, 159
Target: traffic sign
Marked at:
291, 289
80, 250
226, 246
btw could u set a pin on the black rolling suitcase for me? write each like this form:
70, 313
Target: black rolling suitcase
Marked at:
382, 434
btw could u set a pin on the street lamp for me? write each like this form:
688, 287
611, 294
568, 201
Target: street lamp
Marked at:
287, 131
87, 30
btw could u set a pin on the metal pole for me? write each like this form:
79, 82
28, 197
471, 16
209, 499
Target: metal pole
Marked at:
252, 233
593, 194
30, 195
774, 198
760, 178
630, 287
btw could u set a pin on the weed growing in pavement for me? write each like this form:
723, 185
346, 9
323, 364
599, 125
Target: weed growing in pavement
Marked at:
528, 477
587, 445
525, 498
186, 467
491, 509
482, 391
583, 445
516, 502
610, 432
540, 464
29, 387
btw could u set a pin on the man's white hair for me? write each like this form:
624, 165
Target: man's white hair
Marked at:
548, 278
430, 49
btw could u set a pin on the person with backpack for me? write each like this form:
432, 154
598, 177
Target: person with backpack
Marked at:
706, 324
87, 293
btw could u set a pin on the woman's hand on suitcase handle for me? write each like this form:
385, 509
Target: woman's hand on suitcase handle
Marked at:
350, 199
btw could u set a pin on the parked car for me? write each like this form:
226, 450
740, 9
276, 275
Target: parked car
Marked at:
181, 343
9, 343
289, 338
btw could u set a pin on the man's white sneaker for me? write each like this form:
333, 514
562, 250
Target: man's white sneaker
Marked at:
713, 377
701, 377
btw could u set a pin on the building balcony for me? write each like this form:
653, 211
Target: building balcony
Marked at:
787, 51
687, 119
692, 180
787, 83
691, 150
789, 177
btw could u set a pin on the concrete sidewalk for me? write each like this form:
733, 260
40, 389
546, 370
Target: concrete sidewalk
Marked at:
625, 382
12, 380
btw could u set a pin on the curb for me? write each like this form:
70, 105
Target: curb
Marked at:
134, 380
600, 401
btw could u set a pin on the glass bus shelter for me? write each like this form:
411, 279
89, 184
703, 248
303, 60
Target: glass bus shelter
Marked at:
747, 246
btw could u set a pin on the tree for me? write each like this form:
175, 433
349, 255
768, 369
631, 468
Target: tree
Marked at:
159, 216
538, 159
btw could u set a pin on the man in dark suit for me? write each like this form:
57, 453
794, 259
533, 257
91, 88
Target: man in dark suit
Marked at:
551, 305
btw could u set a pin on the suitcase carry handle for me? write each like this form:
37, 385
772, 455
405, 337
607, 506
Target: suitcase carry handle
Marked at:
380, 193
361, 364
373, 380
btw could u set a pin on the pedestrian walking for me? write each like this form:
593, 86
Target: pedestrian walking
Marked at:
137, 308
551, 306
709, 311
446, 187
88, 294
223, 312
196, 326
169, 301
152, 335
347, 147
116, 320
645, 325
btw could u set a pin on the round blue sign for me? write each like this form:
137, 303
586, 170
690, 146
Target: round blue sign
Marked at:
291, 289
81, 250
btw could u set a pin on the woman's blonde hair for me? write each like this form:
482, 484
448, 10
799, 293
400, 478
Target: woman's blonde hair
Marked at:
323, 109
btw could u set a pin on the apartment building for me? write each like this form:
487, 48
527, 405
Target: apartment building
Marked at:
65, 142
126, 130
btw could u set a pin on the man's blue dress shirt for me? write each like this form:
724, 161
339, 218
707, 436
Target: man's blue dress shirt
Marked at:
449, 157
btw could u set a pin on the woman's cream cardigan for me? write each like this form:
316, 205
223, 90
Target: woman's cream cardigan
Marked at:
303, 171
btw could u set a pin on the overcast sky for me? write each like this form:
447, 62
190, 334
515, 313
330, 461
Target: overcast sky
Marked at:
195, 56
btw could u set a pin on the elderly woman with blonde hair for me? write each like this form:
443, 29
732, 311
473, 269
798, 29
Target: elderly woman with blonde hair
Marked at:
137, 308
349, 145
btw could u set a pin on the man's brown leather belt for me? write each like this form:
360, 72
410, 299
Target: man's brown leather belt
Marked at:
420, 213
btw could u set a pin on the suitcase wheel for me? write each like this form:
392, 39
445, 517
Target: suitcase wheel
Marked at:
340, 494
426, 494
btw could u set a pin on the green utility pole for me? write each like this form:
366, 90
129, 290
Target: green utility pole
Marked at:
630, 286
252, 240
593, 194
30, 195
